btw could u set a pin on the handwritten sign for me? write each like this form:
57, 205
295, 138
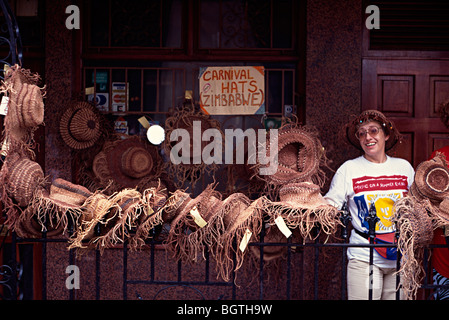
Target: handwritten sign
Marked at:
232, 90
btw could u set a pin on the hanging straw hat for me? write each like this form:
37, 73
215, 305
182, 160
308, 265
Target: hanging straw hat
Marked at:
195, 225
24, 177
80, 125
121, 220
184, 118
432, 179
61, 206
95, 210
154, 200
300, 157
242, 220
302, 205
128, 163
415, 228
372, 115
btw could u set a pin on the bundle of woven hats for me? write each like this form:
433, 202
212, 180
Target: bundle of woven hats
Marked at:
130, 201
20, 175
425, 208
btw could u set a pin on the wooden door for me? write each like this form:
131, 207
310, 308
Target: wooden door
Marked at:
409, 91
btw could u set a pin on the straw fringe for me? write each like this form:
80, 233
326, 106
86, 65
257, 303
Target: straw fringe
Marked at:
416, 228
236, 230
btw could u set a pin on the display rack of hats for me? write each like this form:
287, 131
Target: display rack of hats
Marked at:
125, 191
424, 209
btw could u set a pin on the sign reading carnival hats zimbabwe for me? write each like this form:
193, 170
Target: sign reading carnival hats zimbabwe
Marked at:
232, 90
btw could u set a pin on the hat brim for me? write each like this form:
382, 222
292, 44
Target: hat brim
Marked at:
64, 127
372, 115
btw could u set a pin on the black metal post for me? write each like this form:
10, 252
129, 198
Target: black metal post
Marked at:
372, 220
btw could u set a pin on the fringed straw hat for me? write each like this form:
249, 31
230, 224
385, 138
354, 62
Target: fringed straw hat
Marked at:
415, 228
243, 222
62, 206
300, 157
195, 225
80, 125
24, 177
121, 220
372, 115
95, 210
154, 200
302, 206
184, 118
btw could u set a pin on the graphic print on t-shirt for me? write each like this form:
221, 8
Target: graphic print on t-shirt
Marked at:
383, 191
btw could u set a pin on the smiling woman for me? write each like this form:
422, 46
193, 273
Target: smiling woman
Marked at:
373, 180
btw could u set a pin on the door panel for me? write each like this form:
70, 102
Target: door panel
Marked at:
409, 91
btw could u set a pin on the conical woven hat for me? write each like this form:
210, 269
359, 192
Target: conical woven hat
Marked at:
80, 126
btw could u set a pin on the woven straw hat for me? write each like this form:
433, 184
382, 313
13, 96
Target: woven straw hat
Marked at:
372, 115
65, 194
95, 210
24, 178
302, 205
243, 222
300, 156
207, 204
432, 179
127, 163
80, 125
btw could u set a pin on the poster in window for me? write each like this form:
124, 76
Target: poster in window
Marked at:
232, 90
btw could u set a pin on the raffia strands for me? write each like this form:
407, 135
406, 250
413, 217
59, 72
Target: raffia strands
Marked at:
25, 109
183, 118
95, 211
236, 223
302, 206
153, 201
120, 220
186, 238
415, 234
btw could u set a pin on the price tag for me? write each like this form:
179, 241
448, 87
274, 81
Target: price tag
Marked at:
283, 227
245, 240
4, 106
197, 217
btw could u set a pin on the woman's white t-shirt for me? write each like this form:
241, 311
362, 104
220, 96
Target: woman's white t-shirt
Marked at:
359, 183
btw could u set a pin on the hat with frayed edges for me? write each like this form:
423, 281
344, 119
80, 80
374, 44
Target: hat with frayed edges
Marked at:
28, 226
372, 115
170, 210
432, 179
61, 206
80, 125
302, 206
24, 177
194, 225
121, 220
243, 221
190, 169
127, 163
300, 156
154, 200
415, 234
95, 210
